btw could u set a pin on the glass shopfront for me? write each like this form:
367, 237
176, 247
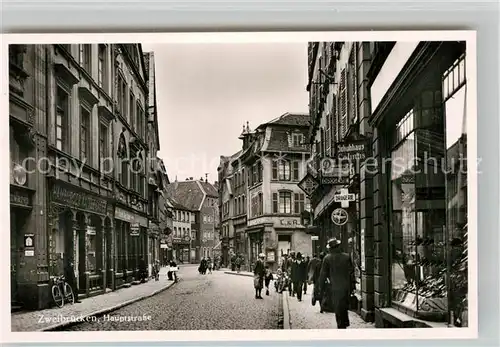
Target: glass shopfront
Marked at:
455, 105
418, 209
428, 185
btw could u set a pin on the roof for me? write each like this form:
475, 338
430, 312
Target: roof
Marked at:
190, 194
176, 205
281, 140
209, 189
289, 119
187, 193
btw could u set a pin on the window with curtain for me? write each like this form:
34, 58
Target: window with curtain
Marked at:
283, 170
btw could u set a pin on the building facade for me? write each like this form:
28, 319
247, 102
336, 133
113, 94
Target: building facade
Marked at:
79, 110
200, 198
182, 234
396, 114
261, 202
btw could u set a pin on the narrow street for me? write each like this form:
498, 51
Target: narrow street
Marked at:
210, 302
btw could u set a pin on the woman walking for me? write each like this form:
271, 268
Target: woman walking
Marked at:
259, 272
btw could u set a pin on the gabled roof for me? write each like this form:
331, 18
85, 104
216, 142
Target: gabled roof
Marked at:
289, 119
209, 189
176, 205
186, 193
280, 140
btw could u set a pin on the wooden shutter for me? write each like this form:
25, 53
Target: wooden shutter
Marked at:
275, 202
275, 169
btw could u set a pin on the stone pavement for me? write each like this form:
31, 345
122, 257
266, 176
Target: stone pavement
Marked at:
52, 318
241, 273
303, 315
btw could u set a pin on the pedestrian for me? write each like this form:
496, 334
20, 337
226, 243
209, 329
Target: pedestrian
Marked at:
289, 262
338, 269
299, 275
209, 265
142, 270
268, 278
238, 263
259, 272
173, 269
156, 270
314, 272
70, 278
307, 260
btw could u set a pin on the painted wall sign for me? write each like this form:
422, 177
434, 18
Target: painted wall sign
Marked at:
78, 200
18, 197
289, 222
130, 217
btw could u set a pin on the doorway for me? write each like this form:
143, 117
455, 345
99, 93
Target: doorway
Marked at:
14, 256
284, 246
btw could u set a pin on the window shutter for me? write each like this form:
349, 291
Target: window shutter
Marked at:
296, 201
275, 169
275, 202
343, 103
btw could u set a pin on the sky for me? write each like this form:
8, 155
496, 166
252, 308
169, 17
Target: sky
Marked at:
206, 92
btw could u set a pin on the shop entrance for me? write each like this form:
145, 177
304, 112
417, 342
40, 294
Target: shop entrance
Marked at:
284, 246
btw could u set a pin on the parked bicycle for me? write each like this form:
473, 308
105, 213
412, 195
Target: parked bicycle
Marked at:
62, 292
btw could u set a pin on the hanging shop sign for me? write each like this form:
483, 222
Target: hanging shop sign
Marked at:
351, 150
308, 184
339, 216
78, 200
344, 197
134, 229
335, 181
332, 168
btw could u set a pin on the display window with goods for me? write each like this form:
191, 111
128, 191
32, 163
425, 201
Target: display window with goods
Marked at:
428, 187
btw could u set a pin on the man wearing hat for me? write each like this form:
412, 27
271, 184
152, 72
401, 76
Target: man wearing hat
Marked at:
289, 263
338, 269
259, 272
299, 275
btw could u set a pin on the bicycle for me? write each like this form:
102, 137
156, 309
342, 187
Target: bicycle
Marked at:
62, 292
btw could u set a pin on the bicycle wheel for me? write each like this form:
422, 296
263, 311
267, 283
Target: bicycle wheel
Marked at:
57, 296
70, 297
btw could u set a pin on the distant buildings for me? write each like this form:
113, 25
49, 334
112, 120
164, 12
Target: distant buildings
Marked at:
81, 111
261, 203
200, 198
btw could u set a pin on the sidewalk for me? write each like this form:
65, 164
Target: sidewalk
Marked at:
52, 318
303, 315
241, 273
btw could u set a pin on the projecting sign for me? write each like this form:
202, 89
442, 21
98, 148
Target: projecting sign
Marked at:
308, 184
344, 197
330, 168
362, 246
353, 150
339, 216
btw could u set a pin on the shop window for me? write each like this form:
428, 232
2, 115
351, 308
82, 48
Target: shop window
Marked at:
455, 105
418, 211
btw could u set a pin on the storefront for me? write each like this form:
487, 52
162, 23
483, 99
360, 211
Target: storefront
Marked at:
80, 231
275, 237
131, 243
181, 249
422, 186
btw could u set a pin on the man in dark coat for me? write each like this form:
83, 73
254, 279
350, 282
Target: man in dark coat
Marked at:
289, 262
299, 275
69, 276
142, 270
307, 260
338, 269
259, 273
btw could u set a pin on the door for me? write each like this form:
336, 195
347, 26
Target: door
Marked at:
14, 256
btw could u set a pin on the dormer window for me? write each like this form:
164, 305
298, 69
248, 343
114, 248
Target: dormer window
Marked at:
297, 140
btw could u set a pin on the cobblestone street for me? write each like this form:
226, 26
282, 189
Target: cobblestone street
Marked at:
303, 315
198, 302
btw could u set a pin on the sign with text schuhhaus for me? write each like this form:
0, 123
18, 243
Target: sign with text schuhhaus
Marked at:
353, 150
78, 200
